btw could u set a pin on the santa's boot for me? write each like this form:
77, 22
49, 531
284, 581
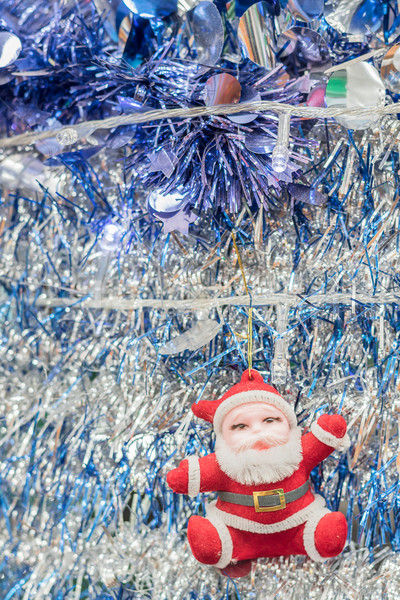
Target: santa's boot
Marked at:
330, 534
238, 569
204, 540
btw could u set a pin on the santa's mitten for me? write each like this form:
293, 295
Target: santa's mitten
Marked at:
177, 479
331, 430
334, 424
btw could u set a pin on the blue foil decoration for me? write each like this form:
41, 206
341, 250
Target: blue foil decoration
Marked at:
149, 9
368, 14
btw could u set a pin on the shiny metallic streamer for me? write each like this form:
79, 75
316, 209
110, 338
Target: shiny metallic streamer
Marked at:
95, 414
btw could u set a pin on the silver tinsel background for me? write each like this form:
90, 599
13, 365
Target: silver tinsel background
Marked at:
94, 415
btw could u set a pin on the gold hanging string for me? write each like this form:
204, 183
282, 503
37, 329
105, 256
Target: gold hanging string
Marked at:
250, 317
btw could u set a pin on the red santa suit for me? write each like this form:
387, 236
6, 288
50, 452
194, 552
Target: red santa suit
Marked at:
239, 525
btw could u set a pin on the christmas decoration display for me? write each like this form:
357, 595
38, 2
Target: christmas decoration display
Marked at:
258, 447
135, 138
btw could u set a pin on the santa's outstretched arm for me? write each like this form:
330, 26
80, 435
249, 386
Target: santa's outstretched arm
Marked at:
327, 434
195, 475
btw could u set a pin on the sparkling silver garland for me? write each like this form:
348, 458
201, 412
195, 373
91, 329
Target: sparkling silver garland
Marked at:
93, 414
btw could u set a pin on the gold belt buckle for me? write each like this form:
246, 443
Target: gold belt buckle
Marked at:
279, 492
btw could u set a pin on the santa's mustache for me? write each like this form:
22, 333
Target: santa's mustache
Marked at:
269, 440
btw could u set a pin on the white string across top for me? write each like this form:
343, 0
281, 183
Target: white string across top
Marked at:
305, 112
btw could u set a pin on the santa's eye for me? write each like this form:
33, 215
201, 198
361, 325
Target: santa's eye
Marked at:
271, 419
239, 426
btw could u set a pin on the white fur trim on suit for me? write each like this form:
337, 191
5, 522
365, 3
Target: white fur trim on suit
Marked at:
243, 524
253, 467
193, 476
253, 396
225, 539
309, 533
329, 439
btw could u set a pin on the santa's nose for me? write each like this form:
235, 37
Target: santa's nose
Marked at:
257, 428
261, 446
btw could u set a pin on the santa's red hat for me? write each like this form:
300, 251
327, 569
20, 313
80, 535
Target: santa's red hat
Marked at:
250, 389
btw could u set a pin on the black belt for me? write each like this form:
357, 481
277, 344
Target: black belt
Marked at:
265, 501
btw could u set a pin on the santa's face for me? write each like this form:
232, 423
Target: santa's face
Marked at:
256, 444
255, 426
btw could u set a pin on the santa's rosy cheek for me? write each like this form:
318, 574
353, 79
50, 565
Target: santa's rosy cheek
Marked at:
230, 436
239, 433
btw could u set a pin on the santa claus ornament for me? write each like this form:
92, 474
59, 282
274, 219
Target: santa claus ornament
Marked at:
260, 470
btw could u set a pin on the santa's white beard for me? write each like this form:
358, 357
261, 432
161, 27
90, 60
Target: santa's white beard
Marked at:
253, 467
